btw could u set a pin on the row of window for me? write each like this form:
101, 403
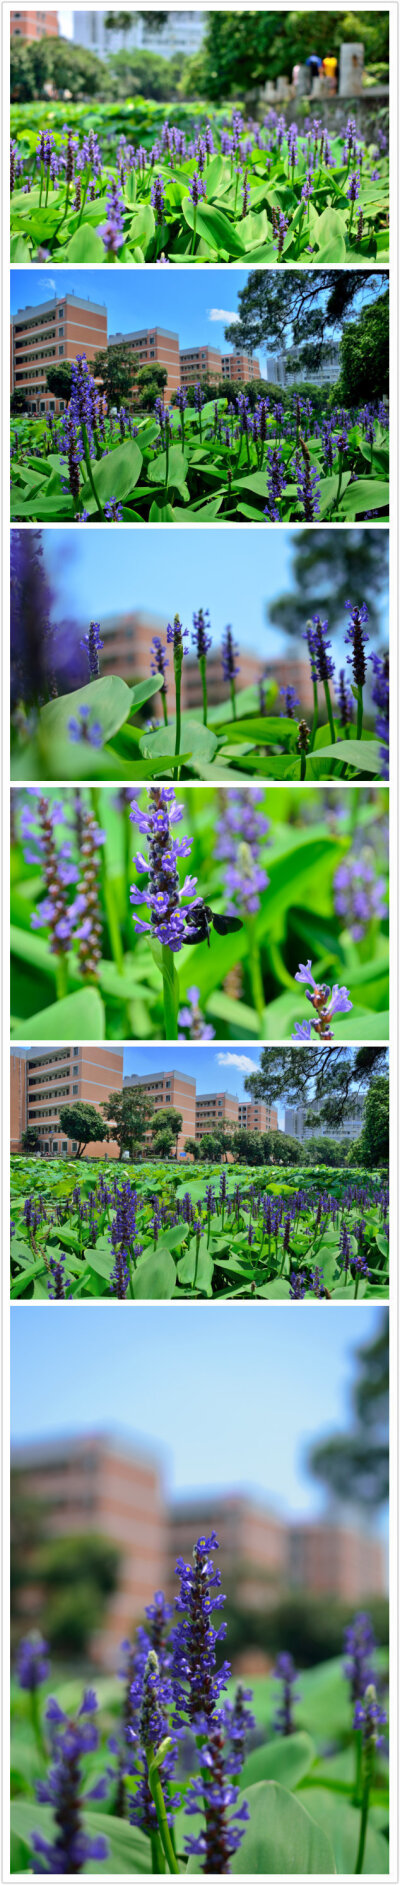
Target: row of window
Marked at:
43, 320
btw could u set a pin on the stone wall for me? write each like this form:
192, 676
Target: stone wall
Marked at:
369, 111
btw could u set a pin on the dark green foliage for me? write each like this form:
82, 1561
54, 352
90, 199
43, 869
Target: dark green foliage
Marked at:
59, 380
364, 351
333, 1078
241, 49
128, 1114
374, 1142
115, 367
82, 1122
354, 1466
69, 67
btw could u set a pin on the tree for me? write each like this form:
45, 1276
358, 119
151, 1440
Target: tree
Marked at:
163, 1144
332, 1078
128, 1114
82, 1122
193, 1148
364, 355
76, 1576
327, 571
67, 66
167, 1119
150, 383
354, 1465
374, 1141
325, 1151
59, 380
18, 402
116, 367
30, 1139
241, 50
210, 1145
301, 310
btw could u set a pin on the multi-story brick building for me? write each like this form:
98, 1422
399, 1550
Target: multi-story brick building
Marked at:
44, 1079
255, 1116
127, 651
156, 344
215, 1109
43, 336
31, 23
170, 1089
335, 1560
96, 1484
208, 363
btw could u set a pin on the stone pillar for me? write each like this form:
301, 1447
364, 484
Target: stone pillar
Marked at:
351, 71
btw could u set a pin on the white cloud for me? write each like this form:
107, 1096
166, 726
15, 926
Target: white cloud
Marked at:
222, 314
238, 1060
47, 282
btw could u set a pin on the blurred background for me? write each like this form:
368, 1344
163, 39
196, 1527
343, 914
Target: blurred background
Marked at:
267, 588
132, 1435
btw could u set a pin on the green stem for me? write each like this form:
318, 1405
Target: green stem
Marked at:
161, 1811
164, 706
171, 994
61, 977
363, 1829
255, 971
178, 674
194, 228
47, 187
157, 1855
89, 471
108, 893
233, 699
303, 765
315, 717
203, 672
166, 461
329, 712
35, 1719
360, 711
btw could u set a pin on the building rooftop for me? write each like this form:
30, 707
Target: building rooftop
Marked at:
81, 301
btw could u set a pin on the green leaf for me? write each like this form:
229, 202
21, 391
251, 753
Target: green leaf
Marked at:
366, 494
19, 249
109, 699
198, 1270
362, 754
115, 475
144, 690
129, 1852
214, 226
78, 1017
341, 1823
155, 1278
177, 468
281, 1836
85, 246
287, 1759
196, 739
331, 245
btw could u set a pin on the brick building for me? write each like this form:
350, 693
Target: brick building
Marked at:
30, 23
43, 336
255, 1116
207, 363
93, 1484
215, 1109
127, 651
335, 1560
156, 344
170, 1089
43, 1079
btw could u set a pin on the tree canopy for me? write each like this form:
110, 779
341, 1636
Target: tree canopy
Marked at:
331, 1078
83, 1123
304, 308
241, 50
326, 567
354, 1465
128, 1114
116, 367
364, 354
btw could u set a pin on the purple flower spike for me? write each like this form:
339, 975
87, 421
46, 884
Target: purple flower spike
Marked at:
32, 1662
326, 1003
71, 1848
163, 895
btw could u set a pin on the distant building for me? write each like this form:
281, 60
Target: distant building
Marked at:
96, 1484
154, 343
255, 1116
286, 369
127, 651
170, 1089
45, 1079
31, 23
47, 334
182, 32
331, 1560
252, 1545
215, 1109
295, 1124
207, 363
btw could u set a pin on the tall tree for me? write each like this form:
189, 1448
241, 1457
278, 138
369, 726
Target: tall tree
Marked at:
166, 1119
328, 566
128, 1114
305, 309
364, 354
331, 1079
83, 1123
354, 1465
116, 367
374, 1141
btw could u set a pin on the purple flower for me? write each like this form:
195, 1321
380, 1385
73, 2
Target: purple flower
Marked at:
308, 479
359, 1647
33, 1662
230, 666
344, 700
71, 1848
240, 833
113, 511
215, 1795
197, 188
357, 638
360, 896
201, 639
276, 476
157, 199
59, 1285
92, 643
112, 230
158, 659
354, 187
85, 911
291, 702
38, 831
318, 637
191, 1018
370, 1718
286, 1673
163, 894
380, 696
281, 225
327, 1003
85, 729
196, 1683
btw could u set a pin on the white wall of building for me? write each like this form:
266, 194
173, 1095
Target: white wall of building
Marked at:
183, 32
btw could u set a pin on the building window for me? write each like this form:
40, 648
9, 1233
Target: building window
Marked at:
74, 1089
61, 349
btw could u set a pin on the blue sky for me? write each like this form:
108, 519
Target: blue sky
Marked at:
230, 1397
188, 301
97, 572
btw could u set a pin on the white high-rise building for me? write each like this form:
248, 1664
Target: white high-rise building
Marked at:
183, 32
283, 370
350, 1128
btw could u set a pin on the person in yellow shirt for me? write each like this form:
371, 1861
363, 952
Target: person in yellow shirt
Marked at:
330, 69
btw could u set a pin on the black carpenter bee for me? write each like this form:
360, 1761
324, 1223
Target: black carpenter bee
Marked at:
201, 918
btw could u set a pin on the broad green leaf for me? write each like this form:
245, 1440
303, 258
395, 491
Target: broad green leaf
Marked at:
109, 699
85, 246
78, 1017
155, 1277
286, 1759
281, 1837
114, 476
364, 755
